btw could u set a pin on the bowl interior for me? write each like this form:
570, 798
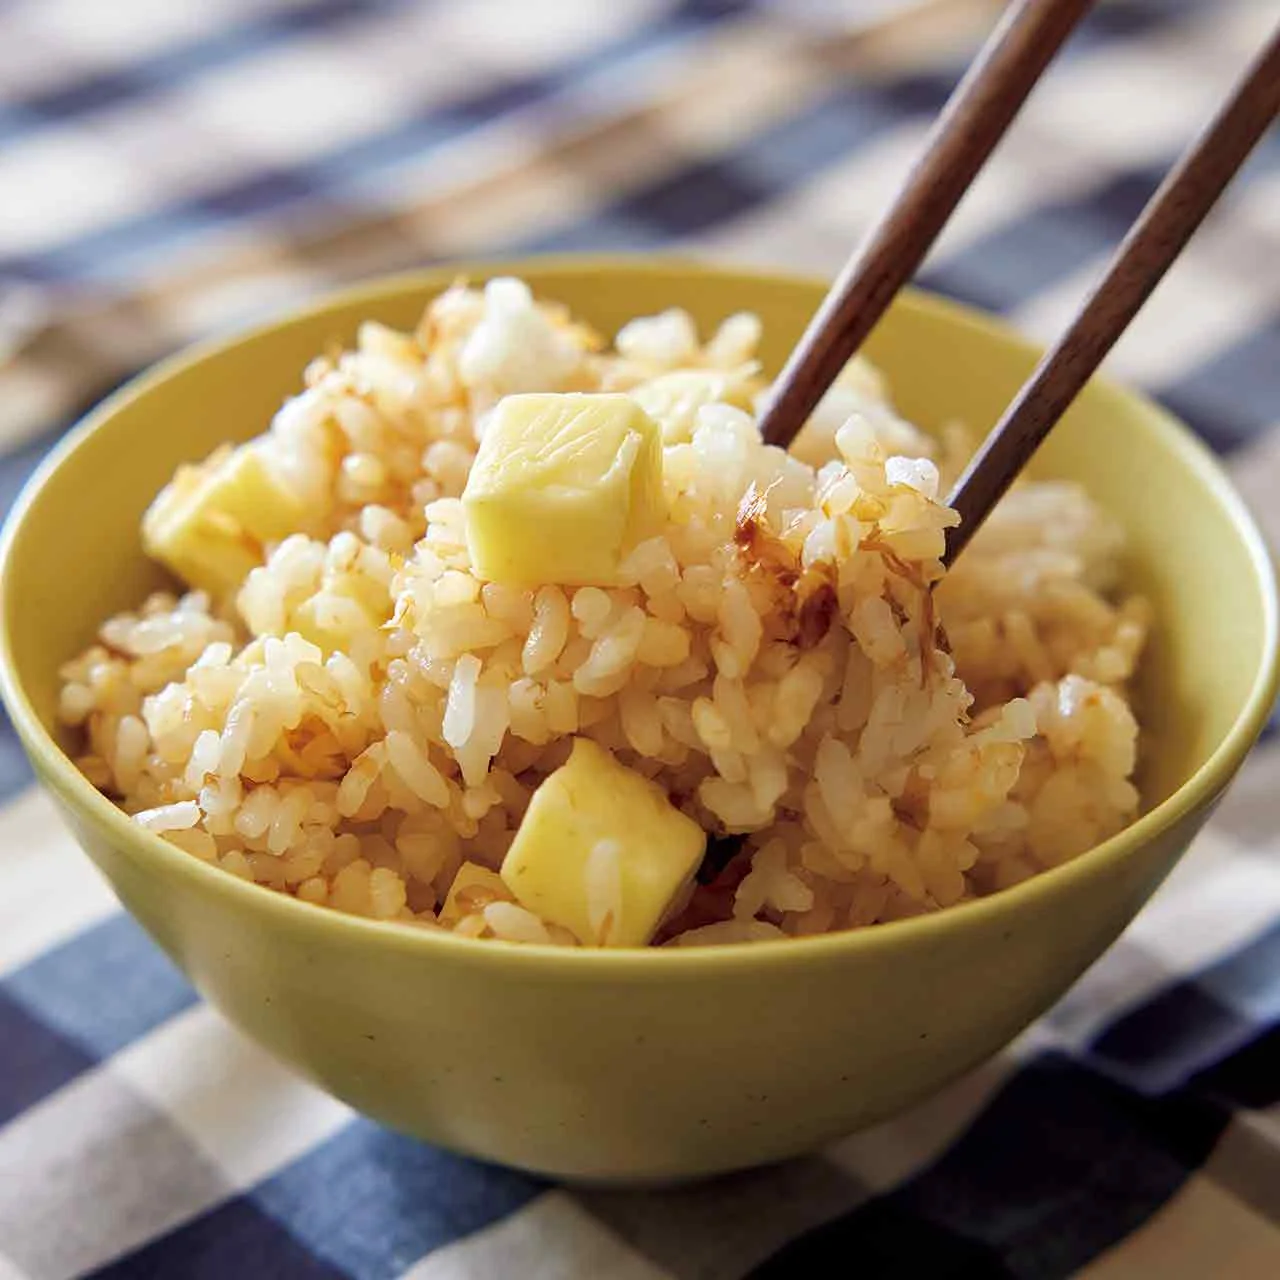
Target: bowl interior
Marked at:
75, 555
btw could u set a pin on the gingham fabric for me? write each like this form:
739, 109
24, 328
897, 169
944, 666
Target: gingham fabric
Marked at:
170, 169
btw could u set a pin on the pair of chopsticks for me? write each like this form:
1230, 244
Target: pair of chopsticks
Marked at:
973, 121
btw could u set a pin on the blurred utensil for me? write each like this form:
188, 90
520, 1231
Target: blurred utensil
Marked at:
1168, 221
975, 117
980, 109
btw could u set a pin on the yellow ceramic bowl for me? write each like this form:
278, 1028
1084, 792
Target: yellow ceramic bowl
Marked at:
648, 1064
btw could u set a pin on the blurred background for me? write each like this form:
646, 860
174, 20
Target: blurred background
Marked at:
173, 168
168, 169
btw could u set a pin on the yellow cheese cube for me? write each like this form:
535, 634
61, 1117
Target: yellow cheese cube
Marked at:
209, 523
473, 888
563, 487
602, 851
673, 399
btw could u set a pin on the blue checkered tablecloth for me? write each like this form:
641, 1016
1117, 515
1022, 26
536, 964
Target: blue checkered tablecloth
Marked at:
171, 169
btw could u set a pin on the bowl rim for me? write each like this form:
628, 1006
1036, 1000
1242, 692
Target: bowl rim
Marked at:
56, 771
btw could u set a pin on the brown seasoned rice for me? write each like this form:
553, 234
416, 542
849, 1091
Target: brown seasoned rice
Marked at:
773, 658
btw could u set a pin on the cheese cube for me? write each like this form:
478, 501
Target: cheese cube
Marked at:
602, 851
563, 487
208, 525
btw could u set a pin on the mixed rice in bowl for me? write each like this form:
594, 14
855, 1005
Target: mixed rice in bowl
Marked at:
765, 716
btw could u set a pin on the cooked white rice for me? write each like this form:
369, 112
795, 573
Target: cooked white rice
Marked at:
777, 658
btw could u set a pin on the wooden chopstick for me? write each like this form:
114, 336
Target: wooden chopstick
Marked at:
1165, 225
973, 121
